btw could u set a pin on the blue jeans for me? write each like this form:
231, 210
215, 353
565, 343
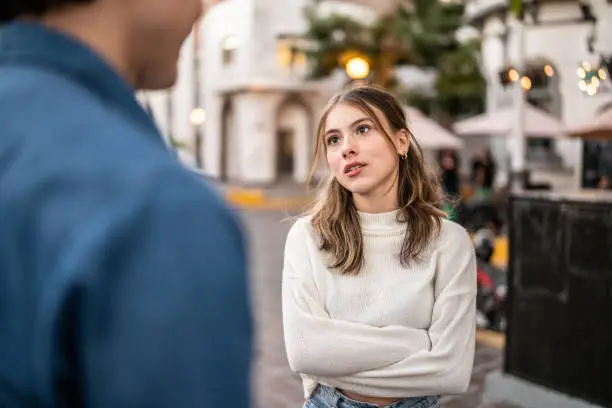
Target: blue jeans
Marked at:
327, 397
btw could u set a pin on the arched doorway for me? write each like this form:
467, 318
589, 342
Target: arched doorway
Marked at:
293, 132
285, 164
229, 163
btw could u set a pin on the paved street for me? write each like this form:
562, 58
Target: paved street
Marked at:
275, 386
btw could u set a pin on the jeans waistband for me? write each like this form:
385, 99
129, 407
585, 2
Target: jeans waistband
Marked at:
335, 399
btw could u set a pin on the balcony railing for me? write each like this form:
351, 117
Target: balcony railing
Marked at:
476, 9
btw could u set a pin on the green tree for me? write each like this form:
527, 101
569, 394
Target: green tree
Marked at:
423, 35
459, 89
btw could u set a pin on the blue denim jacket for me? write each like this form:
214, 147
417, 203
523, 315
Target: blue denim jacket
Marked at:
122, 275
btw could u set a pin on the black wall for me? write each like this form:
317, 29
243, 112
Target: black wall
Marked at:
560, 296
596, 162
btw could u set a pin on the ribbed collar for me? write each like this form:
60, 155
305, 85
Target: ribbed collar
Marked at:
381, 222
31, 43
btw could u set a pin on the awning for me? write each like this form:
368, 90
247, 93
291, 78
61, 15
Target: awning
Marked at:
598, 128
537, 124
428, 133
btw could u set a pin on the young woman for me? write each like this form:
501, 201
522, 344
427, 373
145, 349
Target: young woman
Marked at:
379, 289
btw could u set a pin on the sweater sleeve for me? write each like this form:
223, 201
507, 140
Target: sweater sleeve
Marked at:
445, 368
320, 346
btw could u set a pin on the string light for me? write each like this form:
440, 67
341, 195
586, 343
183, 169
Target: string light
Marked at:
591, 78
513, 75
602, 74
531, 78
526, 83
548, 70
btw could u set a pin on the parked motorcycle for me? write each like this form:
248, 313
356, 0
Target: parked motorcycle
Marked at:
491, 284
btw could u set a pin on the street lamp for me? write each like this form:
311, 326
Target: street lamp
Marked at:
357, 68
198, 117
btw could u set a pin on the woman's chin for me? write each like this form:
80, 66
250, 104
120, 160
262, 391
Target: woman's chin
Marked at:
359, 187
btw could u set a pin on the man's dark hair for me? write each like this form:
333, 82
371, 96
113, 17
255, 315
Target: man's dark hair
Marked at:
11, 9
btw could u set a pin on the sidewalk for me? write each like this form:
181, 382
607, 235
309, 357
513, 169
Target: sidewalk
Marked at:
283, 197
291, 197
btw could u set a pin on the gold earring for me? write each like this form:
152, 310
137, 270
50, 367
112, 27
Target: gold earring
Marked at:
404, 156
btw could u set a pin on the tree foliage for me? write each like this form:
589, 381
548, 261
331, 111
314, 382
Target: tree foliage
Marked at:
422, 35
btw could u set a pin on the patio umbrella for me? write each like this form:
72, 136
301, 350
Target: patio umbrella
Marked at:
599, 128
538, 124
430, 134
380, 6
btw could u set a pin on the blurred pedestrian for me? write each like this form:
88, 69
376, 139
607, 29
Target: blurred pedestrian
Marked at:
449, 166
484, 168
379, 289
604, 183
122, 275
451, 182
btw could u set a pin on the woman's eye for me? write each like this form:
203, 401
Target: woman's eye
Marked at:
332, 140
363, 129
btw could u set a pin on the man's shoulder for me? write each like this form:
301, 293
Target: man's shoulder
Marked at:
45, 91
66, 129
165, 200
177, 186
51, 109
65, 145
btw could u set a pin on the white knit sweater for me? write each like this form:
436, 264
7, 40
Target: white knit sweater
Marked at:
390, 331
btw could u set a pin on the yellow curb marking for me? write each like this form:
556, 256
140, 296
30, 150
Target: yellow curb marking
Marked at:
500, 256
245, 197
492, 339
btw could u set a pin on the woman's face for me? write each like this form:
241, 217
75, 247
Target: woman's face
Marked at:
448, 162
359, 155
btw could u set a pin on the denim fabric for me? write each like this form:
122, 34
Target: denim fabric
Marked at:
327, 397
91, 285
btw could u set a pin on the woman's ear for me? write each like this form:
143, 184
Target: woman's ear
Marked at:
403, 142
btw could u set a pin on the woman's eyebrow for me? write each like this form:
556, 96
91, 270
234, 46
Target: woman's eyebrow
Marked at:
355, 123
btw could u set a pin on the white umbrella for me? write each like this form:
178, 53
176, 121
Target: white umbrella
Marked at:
537, 123
599, 128
380, 6
428, 133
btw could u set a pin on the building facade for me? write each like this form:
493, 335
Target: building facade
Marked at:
561, 37
261, 110
243, 110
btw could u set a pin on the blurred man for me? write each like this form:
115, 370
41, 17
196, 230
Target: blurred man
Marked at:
122, 275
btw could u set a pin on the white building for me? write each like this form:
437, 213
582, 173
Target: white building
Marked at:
260, 111
557, 34
250, 105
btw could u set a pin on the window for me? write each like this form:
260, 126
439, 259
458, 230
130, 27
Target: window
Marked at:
228, 50
543, 94
291, 53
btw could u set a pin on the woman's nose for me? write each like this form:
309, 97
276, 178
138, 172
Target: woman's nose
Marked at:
349, 148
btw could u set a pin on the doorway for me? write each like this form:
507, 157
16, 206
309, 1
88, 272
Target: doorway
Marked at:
292, 140
285, 153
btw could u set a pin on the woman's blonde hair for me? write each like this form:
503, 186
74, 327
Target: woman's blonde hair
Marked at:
334, 216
